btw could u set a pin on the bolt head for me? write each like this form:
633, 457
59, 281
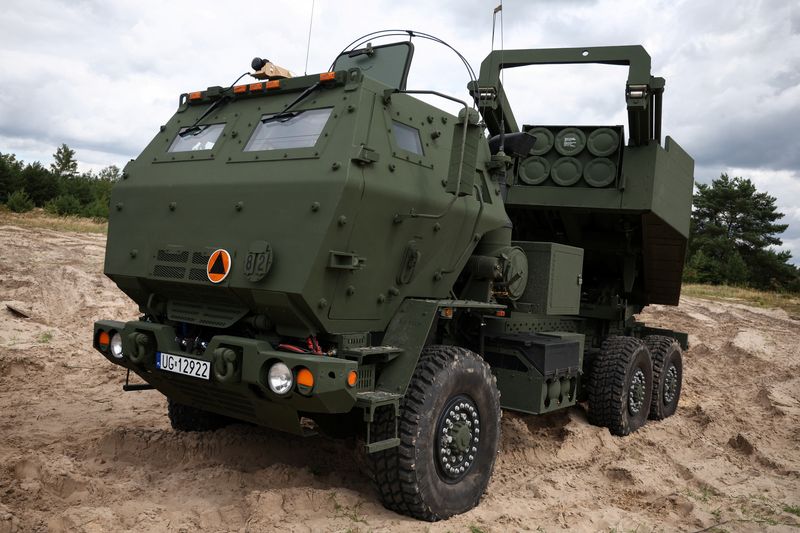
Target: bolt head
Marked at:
466, 465
471, 457
474, 449
457, 408
477, 431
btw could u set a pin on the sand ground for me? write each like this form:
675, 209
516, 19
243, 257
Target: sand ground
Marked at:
78, 454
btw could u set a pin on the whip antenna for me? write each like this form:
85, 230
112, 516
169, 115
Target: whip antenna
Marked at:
308, 43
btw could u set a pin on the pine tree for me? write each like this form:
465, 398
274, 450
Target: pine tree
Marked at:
65, 164
733, 229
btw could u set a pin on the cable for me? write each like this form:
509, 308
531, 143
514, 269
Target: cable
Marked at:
381, 34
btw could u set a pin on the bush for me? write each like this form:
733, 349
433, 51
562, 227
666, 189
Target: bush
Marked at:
63, 204
97, 209
19, 202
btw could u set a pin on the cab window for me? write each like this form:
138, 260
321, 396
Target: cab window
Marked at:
295, 129
407, 137
196, 138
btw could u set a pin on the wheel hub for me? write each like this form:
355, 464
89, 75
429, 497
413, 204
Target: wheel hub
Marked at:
458, 438
636, 392
670, 384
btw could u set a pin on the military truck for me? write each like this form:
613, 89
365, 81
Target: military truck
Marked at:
332, 252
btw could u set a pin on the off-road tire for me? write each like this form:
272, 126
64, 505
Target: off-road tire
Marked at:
410, 478
623, 362
667, 375
186, 418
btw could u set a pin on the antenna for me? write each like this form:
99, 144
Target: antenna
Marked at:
499, 9
308, 44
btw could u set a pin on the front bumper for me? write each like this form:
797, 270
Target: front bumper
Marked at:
238, 379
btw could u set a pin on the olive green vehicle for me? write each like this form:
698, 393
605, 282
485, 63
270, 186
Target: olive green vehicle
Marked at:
332, 248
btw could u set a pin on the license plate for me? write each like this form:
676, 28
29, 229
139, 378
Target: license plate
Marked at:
183, 365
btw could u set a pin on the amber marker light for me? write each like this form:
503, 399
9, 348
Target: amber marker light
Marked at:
274, 84
197, 95
305, 378
239, 89
352, 378
327, 76
103, 340
500, 313
256, 86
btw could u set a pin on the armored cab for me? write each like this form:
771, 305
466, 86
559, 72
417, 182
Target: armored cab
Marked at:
331, 253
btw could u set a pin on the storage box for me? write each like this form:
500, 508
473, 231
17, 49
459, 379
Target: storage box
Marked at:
555, 275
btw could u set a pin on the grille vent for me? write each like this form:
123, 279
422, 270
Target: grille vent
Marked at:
171, 272
366, 378
181, 264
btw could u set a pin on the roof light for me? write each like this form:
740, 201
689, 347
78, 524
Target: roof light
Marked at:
274, 84
327, 76
197, 95
256, 86
239, 89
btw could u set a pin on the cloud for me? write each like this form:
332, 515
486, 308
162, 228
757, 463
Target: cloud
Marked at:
103, 76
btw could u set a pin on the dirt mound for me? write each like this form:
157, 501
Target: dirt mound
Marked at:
77, 454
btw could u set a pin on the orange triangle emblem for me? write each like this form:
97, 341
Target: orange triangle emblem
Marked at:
218, 266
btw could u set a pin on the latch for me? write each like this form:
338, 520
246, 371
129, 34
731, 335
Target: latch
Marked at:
365, 156
346, 261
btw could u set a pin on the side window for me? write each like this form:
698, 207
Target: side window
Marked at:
196, 138
407, 137
296, 129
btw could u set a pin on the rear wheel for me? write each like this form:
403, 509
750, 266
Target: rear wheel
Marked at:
186, 418
667, 375
449, 433
620, 385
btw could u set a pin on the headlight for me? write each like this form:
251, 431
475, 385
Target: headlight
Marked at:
116, 345
279, 378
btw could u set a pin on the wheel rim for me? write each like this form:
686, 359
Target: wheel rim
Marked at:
458, 438
670, 384
636, 392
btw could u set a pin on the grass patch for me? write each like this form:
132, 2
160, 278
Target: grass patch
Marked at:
45, 337
39, 218
792, 509
788, 301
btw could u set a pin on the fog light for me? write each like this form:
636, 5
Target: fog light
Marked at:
116, 345
280, 378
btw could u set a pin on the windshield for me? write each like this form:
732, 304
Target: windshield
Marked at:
296, 129
201, 138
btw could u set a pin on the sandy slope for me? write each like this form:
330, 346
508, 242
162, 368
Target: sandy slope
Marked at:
78, 454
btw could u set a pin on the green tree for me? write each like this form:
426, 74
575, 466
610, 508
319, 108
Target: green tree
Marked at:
19, 202
10, 175
40, 184
64, 162
733, 229
110, 173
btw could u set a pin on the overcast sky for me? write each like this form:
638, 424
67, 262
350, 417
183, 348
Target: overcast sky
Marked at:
102, 76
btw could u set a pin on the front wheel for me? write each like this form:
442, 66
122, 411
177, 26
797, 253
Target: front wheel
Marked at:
449, 433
